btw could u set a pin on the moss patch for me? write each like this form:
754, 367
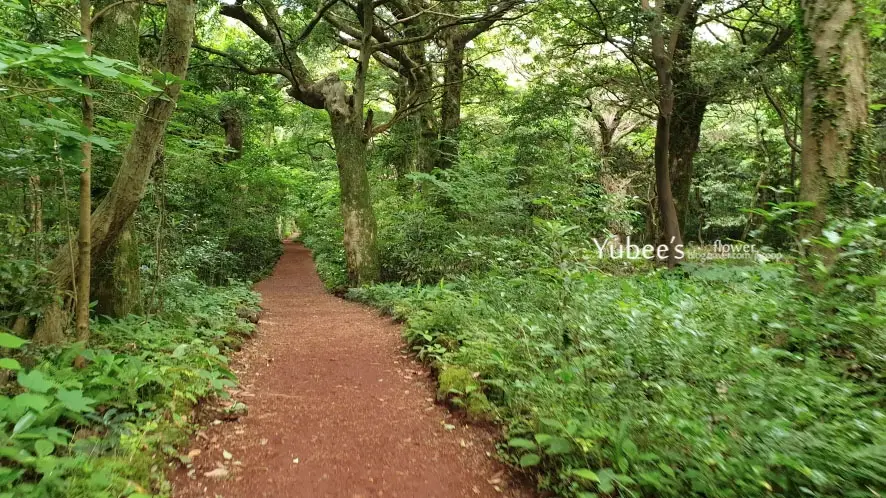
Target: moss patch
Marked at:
458, 381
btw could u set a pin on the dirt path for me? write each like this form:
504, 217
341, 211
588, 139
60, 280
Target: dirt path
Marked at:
336, 409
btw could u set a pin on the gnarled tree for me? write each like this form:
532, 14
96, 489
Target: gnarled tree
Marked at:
360, 27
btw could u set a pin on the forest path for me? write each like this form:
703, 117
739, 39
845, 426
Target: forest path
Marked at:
336, 409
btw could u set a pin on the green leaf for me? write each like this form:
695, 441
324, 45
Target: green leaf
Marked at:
35, 381
519, 442
606, 477
529, 459
557, 445
24, 422
588, 474
10, 364
36, 402
74, 400
11, 341
101, 67
629, 448
43, 447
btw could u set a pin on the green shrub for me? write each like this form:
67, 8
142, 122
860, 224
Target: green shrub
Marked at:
716, 382
101, 421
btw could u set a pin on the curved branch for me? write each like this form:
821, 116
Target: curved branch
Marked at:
242, 65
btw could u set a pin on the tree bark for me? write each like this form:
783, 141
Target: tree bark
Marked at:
422, 122
84, 263
351, 136
35, 213
685, 133
128, 188
361, 247
690, 104
663, 50
116, 282
835, 103
450, 109
667, 209
233, 124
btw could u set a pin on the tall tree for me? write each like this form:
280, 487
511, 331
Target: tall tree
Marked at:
115, 210
455, 40
351, 126
664, 33
351, 120
835, 102
84, 262
727, 63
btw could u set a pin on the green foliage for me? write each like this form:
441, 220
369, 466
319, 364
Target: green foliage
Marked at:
100, 421
21, 292
719, 382
612, 378
318, 217
224, 215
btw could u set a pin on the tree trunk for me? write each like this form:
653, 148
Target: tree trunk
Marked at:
128, 188
116, 282
425, 125
117, 279
35, 213
670, 225
685, 132
835, 103
422, 122
84, 261
663, 57
351, 136
233, 125
690, 104
450, 110
361, 249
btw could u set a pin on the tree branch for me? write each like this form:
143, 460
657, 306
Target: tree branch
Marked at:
783, 117
242, 65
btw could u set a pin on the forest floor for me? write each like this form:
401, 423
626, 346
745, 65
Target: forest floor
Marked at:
337, 408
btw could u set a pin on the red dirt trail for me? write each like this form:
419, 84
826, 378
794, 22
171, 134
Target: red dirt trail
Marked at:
336, 409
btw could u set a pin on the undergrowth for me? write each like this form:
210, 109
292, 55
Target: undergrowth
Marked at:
101, 421
717, 381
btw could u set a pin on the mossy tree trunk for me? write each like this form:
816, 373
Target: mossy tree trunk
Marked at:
450, 108
116, 283
350, 133
835, 103
232, 122
418, 94
361, 248
424, 121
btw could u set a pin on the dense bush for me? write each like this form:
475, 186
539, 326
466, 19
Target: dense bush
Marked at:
101, 421
719, 382
224, 224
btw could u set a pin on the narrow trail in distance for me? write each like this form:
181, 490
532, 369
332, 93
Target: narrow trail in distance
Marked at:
336, 409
